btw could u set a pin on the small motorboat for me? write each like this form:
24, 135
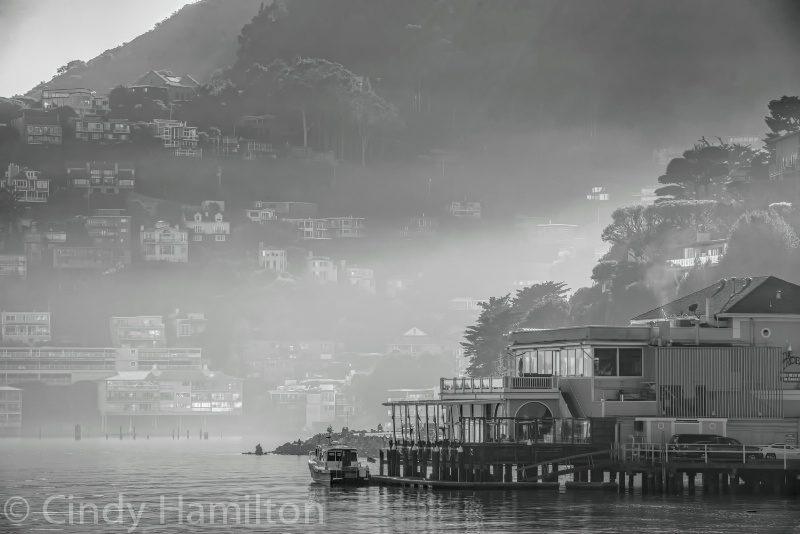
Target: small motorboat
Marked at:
335, 464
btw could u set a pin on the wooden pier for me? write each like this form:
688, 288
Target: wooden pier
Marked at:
522, 466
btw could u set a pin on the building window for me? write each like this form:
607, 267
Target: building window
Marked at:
618, 362
219, 238
198, 237
605, 362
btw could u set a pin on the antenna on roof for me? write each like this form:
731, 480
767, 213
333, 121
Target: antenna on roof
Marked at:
721, 286
747, 282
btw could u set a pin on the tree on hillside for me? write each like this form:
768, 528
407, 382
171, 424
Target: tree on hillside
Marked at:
784, 116
762, 243
690, 176
71, 65
10, 207
634, 228
542, 305
486, 341
370, 113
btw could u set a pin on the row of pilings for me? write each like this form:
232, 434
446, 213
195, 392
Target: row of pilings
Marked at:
712, 480
448, 464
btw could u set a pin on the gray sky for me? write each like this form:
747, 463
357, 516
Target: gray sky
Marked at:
38, 36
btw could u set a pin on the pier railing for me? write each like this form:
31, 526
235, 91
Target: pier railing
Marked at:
500, 384
655, 453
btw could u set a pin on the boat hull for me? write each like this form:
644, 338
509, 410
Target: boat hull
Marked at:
336, 477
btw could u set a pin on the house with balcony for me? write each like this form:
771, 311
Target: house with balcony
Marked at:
260, 212
25, 328
39, 242
37, 127
703, 251
717, 361
27, 184
464, 210
89, 258
223, 145
290, 210
102, 130
345, 227
255, 126
102, 176
138, 332
177, 137
252, 149
272, 258
111, 229
787, 157
361, 277
179, 88
164, 243
310, 228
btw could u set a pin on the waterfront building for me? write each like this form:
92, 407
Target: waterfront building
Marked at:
89, 258
224, 145
170, 398
716, 361
345, 227
27, 184
164, 243
10, 411
138, 332
37, 127
254, 126
25, 328
310, 228
13, 265
257, 149
68, 365
318, 403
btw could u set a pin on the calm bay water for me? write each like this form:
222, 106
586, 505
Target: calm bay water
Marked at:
173, 486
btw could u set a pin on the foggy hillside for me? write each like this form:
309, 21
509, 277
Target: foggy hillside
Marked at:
196, 40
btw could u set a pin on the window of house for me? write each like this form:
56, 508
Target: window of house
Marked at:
630, 362
219, 238
605, 362
198, 237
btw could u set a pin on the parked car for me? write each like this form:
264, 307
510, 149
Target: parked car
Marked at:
779, 450
718, 448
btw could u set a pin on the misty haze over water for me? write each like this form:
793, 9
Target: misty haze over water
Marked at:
257, 222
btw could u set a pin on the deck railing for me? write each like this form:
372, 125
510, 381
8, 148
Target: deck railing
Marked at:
654, 453
490, 385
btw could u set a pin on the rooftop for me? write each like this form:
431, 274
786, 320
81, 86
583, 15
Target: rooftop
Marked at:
761, 295
581, 333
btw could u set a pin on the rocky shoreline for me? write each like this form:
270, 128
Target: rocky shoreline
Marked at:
367, 445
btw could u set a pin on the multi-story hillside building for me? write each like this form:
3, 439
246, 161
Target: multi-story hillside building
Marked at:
13, 265
176, 136
272, 258
83, 101
184, 329
702, 251
224, 145
164, 243
38, 127
138, 332
322, 269
102, 177
180, 88
89, 258
361, 277
25, 328
416, 227
206, 224
310, 228
102, 130
345, 227
254, 126
39, 243
27, 184
465, 210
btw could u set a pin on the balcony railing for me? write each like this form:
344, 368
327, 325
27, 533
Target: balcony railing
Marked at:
700, 260
491, 385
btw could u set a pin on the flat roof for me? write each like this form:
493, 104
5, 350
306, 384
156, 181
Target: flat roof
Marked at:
581, 333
